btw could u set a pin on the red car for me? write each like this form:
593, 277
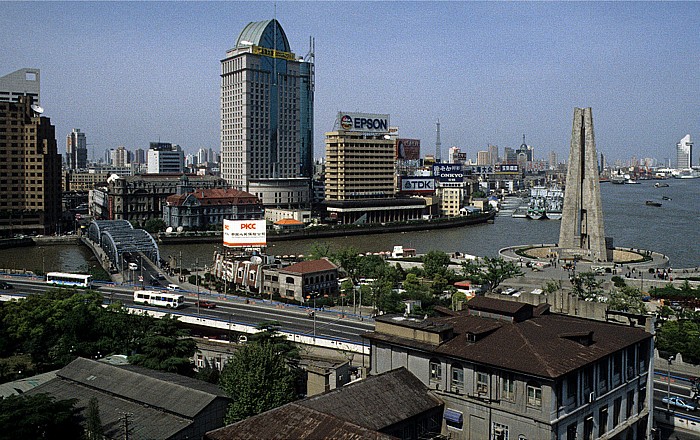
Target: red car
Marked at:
206, 304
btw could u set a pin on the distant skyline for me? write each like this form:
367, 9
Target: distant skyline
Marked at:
129, 73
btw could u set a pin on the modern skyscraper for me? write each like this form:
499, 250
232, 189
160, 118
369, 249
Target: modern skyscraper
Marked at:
164, 158
120, 157
493, 153
267, 96
30, 168
76, 150
22, 82
581, 232
684, 153
483, 158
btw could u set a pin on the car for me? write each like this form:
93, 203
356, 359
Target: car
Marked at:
206, 304
679, 403
155, 282
173, 287
5, 285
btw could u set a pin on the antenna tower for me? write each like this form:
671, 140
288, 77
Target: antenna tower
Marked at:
438, 145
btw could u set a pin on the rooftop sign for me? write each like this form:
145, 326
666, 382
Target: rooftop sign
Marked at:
363, 122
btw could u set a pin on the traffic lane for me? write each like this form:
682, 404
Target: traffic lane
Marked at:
659, 405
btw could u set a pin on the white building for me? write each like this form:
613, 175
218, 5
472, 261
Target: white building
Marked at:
267, 117
165, 158
684, 153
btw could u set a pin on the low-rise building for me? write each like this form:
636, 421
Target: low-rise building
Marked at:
508, 370
312, 277
202, 208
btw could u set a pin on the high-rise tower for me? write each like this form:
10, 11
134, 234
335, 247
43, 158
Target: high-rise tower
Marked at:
76, 150
581, 232
684, 153
267, 100
438, 144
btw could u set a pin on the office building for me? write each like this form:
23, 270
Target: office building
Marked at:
120, 157
267, 95
493, 154
483, 158
165, 158
30, 168
359, 158
22, 82
139, 156
76, 150
510, 370
684, 153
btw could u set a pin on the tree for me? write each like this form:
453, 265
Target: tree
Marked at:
155, 225
585, 285
166, 347
208, 373
490, 272
257, 378
94, 429
627, 299
435, 263
38, 416
319, 250
348, 259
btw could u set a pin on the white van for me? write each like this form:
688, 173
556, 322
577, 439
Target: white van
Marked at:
133, 266
173, 287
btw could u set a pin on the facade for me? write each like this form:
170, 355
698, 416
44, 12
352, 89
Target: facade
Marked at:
483, 158
164, 158
508, 370
359, 164
120, 157
493, 154
452, 199
84, 180
30, 169
76, 150
302, 279
684, 153
140, 198
581, 232
201, 208
22, 82
267, 95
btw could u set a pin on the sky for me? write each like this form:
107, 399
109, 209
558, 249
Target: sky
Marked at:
129, 73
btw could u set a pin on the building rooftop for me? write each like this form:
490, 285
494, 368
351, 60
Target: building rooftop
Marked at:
544, 345
309, 266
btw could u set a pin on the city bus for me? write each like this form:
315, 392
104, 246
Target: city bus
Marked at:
69, 279
159, 299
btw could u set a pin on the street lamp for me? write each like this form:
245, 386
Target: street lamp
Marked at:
196, 274
668, 393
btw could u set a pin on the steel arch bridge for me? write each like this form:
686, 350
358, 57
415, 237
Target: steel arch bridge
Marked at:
117, 237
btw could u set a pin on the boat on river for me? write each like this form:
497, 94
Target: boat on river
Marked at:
661, 185
653, 203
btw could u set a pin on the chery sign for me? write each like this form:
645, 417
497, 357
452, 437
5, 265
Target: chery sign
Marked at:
245, 233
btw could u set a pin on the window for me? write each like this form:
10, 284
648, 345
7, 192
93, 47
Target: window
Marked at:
602, 420
500, 432
617, 408
630, 404
603, 375
508, 388
571, 386
482, 383
571, 432
457, 378
534, 395
435, 370
641, 399
588, 428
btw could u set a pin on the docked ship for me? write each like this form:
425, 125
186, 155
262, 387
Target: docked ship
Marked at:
545, 203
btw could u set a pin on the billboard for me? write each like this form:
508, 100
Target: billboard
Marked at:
448, 172
417, 185
507, 168
245, 233
363, 122
408, 149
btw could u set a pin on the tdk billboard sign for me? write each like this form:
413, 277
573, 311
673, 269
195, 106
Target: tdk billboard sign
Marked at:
448, 172
363, 122
418, 185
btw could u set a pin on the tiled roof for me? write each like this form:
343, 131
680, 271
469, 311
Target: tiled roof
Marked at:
215, 196
309, 266
353, 412
539, 346
288, 221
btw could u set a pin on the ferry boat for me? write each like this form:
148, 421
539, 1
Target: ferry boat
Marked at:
661, 185
653, 203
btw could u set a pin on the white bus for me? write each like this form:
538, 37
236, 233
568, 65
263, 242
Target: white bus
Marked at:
160, 299
69, 279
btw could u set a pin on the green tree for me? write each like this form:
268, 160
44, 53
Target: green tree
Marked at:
257, 378
38, 416
208, 373
155, 225
627, 299
435, 263
165, 347
585, 285
490, 272
348, 259
318, 250
94, 429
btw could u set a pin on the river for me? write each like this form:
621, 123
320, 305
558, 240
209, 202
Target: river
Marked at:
672, 229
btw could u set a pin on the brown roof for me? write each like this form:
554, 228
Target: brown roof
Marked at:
293, 421
356, 411
310, 266
215, 196
540, 346
288, 221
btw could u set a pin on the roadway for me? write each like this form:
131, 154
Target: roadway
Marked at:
232, 310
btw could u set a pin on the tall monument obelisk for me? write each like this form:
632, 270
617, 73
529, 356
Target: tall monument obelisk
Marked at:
581, 232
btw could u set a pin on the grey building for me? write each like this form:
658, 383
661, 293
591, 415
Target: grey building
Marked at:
157, 405
76, 150
165, 158
507, 370
299, 280
201, 208
267, 95
22, 82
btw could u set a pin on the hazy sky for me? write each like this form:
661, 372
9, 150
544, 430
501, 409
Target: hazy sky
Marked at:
134, 72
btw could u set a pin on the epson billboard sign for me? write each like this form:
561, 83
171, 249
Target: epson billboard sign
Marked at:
414, 185
363, 122
448, 172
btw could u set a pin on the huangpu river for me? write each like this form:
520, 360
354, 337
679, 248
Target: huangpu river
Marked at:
672, 229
